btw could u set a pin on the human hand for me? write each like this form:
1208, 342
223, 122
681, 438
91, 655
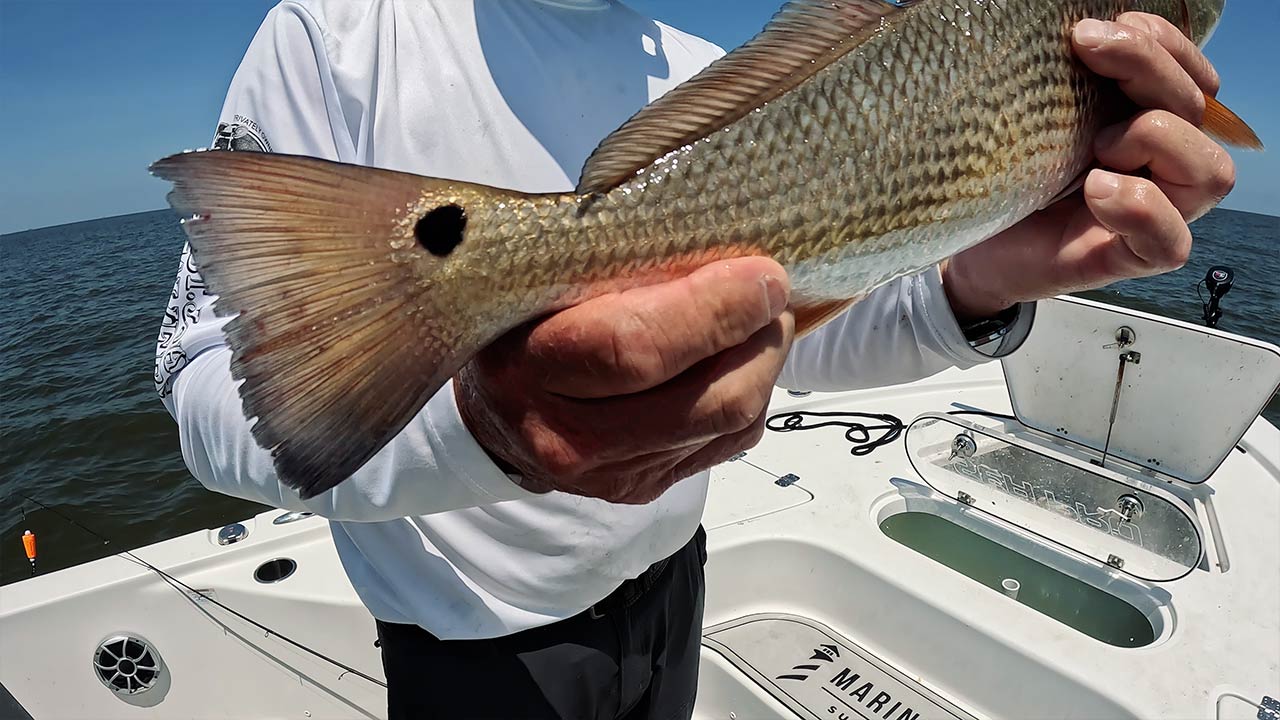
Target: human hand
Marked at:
626, 394
1124, 226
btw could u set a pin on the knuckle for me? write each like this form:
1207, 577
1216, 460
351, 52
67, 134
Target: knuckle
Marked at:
1147, 128
1223, 178
753, 437
738, 412
1171, 255
1154, 122
1154, 30
1195, 100
1144, 21
736, 322
1143, 41
617, 495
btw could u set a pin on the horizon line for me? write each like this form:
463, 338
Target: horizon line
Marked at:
162, 209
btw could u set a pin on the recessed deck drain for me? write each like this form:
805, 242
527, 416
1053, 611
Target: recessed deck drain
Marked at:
127, 664
273, 571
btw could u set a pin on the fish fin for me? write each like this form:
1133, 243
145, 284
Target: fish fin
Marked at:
804, 37
812, 315
319, 262
1223, 125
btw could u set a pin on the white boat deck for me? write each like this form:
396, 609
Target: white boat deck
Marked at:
800, 576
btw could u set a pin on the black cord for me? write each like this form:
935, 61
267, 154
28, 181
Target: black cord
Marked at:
1205, 307
178, 583
857, 433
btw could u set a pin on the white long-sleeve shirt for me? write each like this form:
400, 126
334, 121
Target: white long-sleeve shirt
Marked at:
517, 95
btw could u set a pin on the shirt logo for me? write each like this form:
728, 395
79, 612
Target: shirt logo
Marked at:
242, 133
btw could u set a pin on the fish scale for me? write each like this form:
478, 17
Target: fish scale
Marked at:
854, 141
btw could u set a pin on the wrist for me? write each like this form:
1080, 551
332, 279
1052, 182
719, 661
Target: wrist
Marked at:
970, 298
479, 421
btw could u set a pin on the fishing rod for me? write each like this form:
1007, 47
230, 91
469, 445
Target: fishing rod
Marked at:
175, 582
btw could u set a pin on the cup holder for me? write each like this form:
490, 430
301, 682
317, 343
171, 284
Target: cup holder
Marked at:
273, 571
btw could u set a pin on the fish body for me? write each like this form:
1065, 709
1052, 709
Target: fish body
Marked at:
854, 141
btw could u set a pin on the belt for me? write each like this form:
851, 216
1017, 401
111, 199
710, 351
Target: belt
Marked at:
630, 591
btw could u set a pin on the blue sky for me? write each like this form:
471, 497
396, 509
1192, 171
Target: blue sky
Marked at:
91, 91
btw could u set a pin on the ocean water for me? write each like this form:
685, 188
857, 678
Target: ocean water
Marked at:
83, 431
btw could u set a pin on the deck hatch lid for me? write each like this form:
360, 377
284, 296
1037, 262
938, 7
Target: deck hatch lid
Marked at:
1135, 528
1182, 406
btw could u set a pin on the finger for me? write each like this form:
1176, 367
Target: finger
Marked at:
1192, 170
651, 476
635, 480
730, 391
721, 449
1184, 51
720, 396
1134, 230
1144, 69
635, 340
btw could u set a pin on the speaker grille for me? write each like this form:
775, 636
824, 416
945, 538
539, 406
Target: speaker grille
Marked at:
127, 664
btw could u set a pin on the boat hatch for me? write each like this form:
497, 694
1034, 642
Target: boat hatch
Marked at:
818, 673
1141, 530
1169, 397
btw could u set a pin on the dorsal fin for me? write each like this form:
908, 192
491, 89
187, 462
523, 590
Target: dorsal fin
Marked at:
803, 38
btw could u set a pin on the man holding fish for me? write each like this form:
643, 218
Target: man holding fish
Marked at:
506, 401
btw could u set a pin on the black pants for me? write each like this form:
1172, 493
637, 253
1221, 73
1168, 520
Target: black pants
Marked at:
634, 655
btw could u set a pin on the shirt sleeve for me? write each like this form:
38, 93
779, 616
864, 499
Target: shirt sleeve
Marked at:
283, 99
900, 333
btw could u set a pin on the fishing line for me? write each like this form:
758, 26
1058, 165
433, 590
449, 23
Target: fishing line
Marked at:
173, 581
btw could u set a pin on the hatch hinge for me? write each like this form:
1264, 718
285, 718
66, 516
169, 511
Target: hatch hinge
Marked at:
1269, 708
787, 480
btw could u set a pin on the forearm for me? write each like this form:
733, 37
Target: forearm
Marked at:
432, 466
902, 332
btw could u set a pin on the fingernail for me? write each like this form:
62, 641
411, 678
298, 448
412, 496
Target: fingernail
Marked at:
1101, 184
776, 293
1108, 137
1092, 33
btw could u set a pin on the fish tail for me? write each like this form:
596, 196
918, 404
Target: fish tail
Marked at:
340, 280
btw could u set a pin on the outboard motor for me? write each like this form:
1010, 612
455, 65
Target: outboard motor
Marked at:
1218, 281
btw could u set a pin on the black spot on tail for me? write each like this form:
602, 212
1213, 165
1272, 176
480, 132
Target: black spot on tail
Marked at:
440, 231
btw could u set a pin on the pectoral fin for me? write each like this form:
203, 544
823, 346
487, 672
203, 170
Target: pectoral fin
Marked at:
812, 315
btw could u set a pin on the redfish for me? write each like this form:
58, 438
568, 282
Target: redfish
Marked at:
854, 141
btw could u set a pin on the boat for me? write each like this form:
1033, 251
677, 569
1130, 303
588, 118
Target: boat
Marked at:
1086, 529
